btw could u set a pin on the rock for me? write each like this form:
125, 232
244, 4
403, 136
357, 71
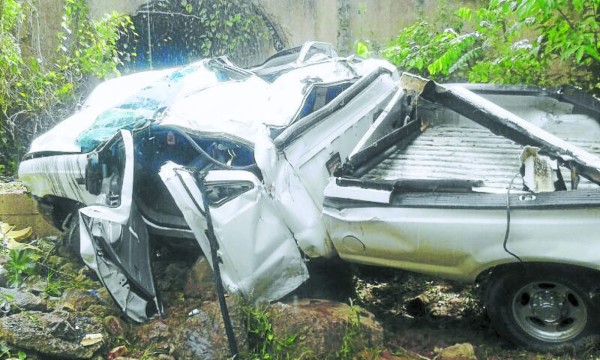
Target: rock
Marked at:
79, 300
463, 351
199, 283
399, 354
118, 352
115, 326
35, 285
172, 278
21, 300
4, 258
322, 328
155, 333
202, 336
50, 334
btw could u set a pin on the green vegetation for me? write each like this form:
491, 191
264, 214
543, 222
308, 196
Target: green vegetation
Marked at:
348, 350
37, 90
543, 42
21, 263
5, 353
263, 343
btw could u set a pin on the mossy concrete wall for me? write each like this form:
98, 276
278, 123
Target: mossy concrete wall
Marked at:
21, 211
340, 22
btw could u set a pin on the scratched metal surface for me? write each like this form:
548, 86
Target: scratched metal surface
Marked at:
463, 152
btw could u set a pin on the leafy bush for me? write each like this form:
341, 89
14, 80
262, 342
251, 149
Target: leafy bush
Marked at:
545, 42
36, 91
21, 263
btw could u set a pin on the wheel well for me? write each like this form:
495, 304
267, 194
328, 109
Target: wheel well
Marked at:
57, 210
591, 276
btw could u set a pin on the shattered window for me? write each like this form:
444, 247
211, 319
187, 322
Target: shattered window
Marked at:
137, 110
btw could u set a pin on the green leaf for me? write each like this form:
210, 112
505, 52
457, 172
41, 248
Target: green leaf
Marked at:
580, 53
465, 13
361, 49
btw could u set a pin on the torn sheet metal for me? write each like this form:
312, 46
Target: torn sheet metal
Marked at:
114, 242
538, 171
294, 164
502, 122
260, 258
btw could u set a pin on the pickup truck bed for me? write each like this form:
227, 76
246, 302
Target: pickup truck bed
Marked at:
462, 152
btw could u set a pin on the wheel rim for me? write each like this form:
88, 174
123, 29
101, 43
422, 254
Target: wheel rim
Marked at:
550, 311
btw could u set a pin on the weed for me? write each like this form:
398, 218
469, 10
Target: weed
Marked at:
21, 263
264, 344
54, 286
352, 331
5, 353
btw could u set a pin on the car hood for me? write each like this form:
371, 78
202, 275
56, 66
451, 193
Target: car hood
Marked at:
63, 136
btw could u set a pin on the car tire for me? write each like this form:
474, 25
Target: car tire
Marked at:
545, 309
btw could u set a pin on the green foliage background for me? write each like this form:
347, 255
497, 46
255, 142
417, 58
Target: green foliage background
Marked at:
36, 90
542, 42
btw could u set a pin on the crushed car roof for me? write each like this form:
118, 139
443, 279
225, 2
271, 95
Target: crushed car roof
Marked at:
212, 95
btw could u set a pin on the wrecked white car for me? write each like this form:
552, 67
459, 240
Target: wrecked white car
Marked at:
315, 156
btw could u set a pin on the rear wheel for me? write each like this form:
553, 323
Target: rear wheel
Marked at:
544, 308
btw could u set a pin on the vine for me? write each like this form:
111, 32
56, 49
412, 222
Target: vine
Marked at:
177, 32
38, 89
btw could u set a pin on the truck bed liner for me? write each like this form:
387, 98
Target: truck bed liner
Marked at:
462, 152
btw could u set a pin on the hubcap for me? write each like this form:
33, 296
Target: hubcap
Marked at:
549, 311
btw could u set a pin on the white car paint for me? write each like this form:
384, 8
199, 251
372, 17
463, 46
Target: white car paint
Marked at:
260, 258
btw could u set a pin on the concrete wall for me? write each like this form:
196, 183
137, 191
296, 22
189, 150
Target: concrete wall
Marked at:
100, 7
21, 211
324, 20
341, 22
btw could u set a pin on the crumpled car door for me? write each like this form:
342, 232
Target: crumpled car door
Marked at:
114, 238
258, 255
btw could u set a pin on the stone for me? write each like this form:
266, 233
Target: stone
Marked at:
79, 300
199, 283
115, 326
322, 328
202, 335
399, 354
19, 300
464, 351
53, 334
155, 333
172, 278
118, 353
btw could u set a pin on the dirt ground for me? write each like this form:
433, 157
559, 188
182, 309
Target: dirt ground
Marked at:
423, 315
